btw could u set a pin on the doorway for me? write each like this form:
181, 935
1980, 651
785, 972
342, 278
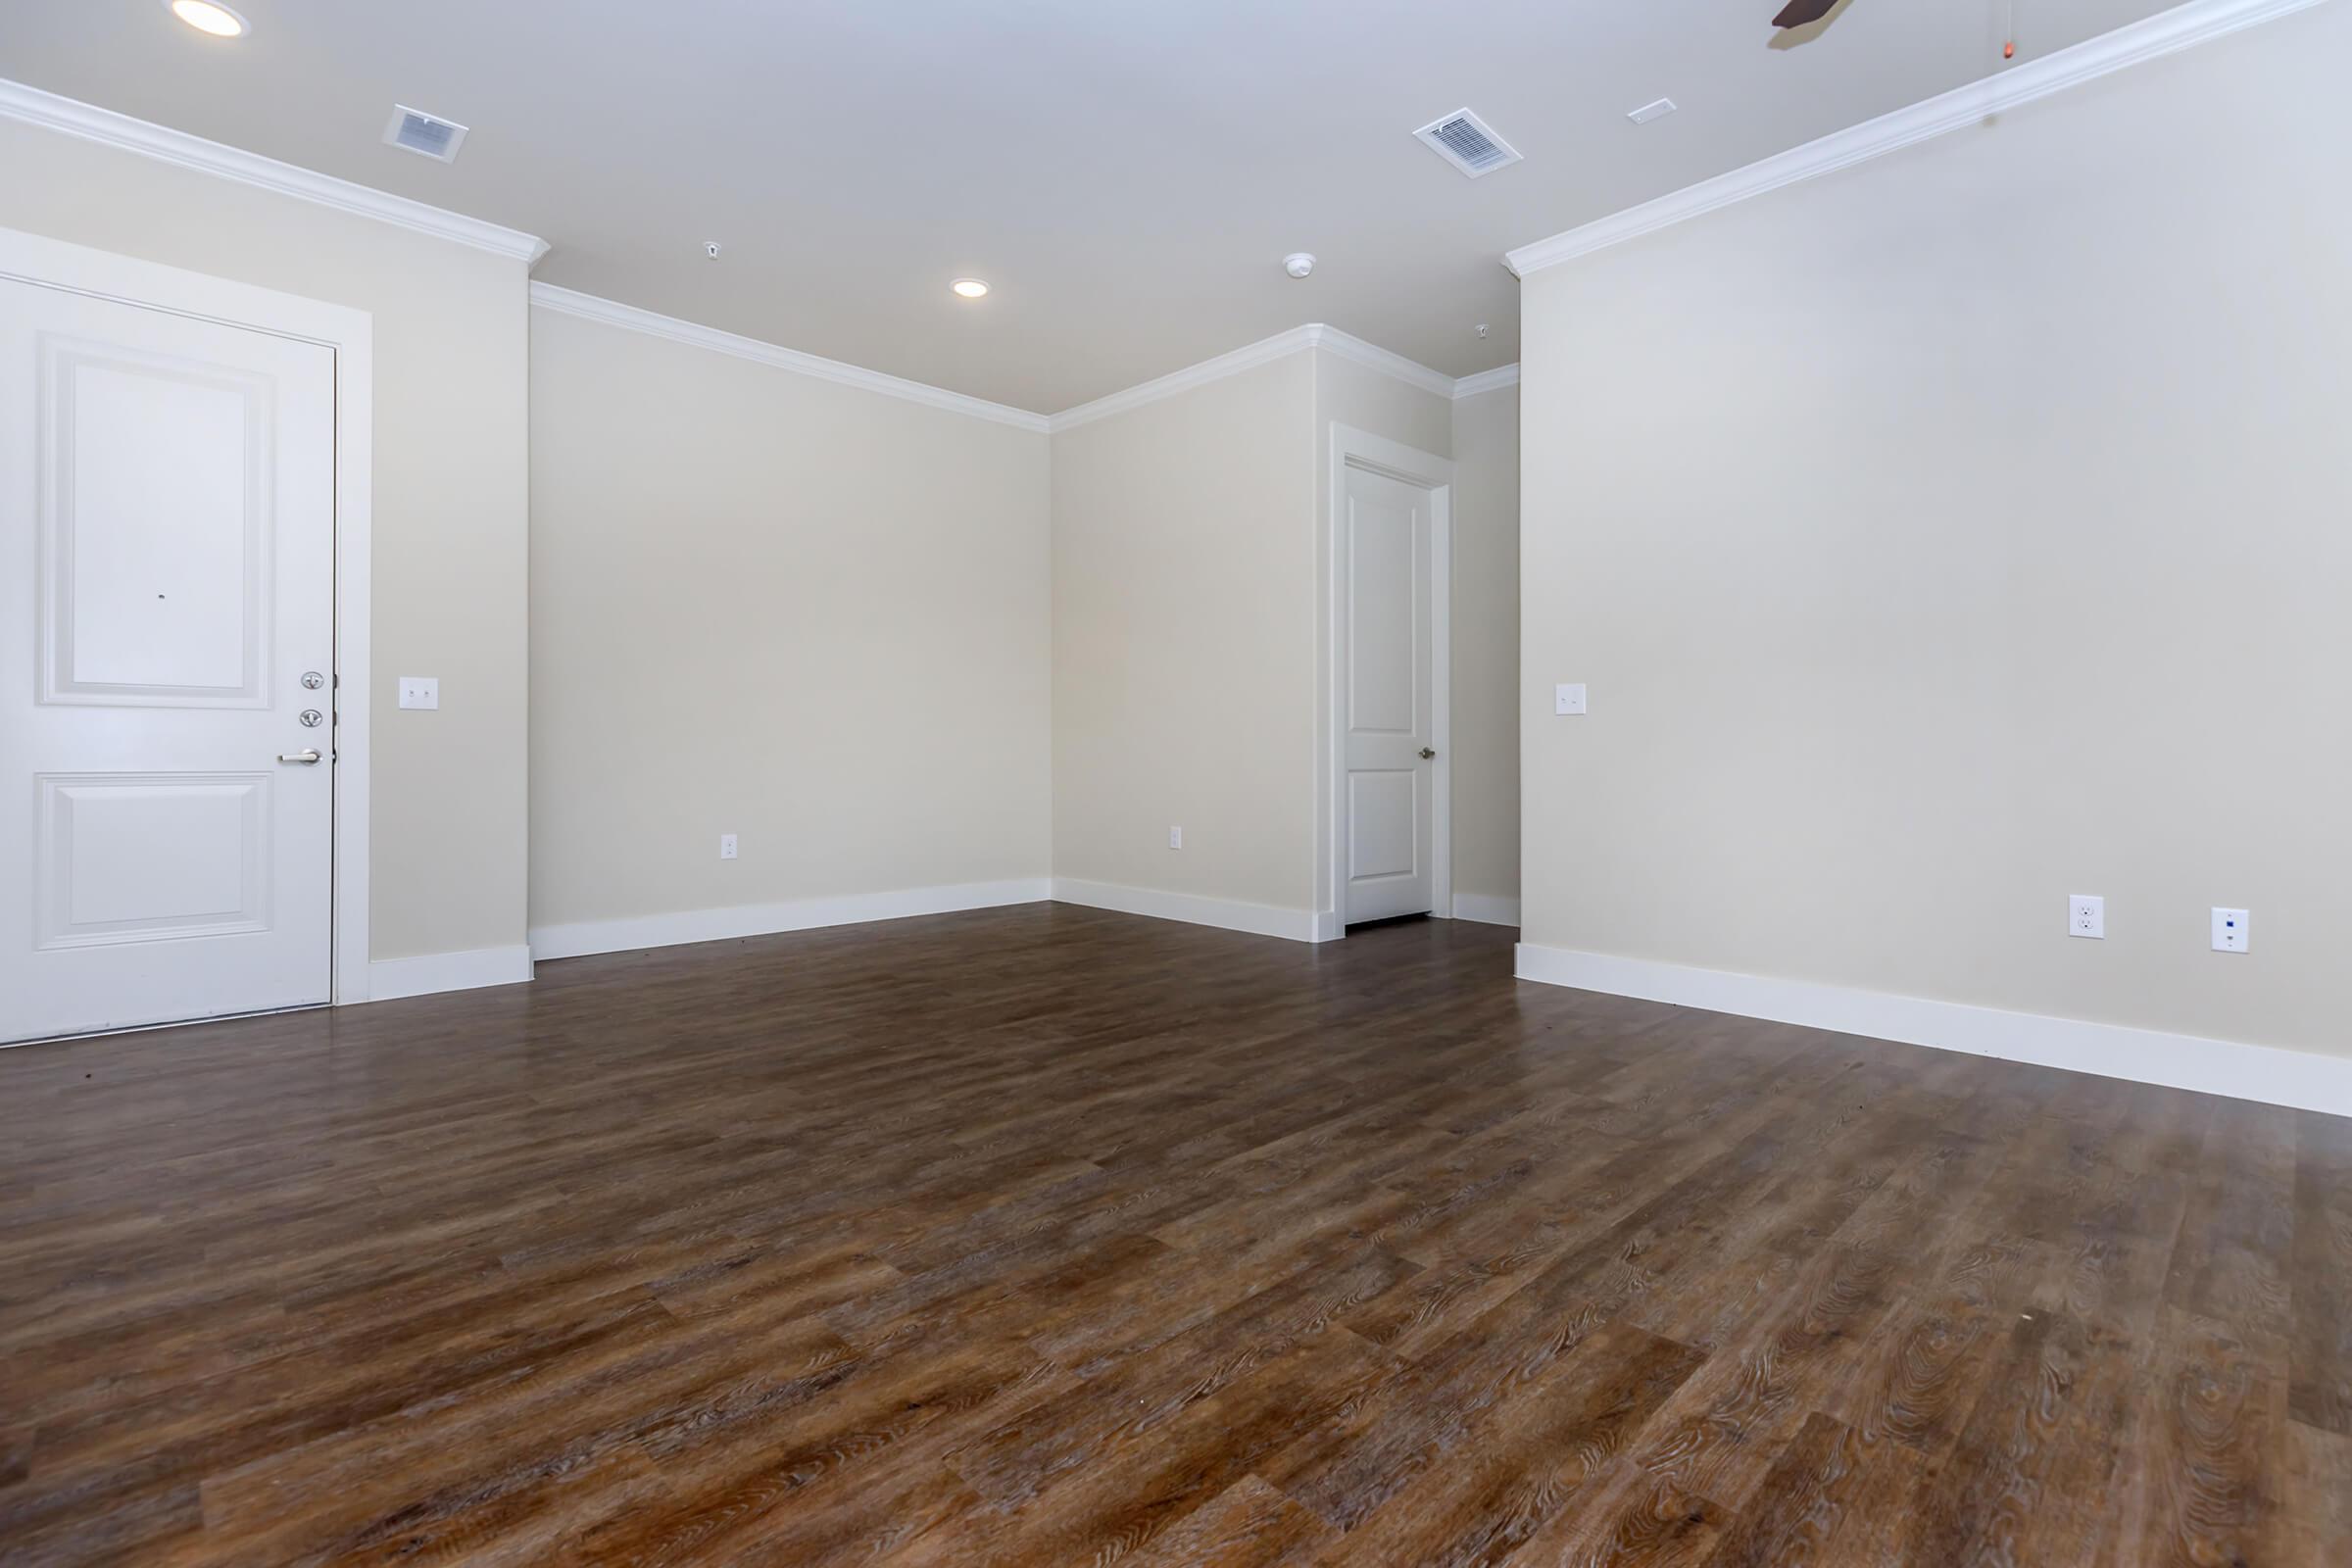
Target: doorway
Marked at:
176, 660
1390, 806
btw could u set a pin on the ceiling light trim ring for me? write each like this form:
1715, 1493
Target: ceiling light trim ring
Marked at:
201, 14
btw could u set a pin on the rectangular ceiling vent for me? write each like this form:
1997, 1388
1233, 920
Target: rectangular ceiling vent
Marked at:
1468, 143
421, 132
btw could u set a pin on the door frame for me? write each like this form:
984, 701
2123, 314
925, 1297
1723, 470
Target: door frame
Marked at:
1351, 448
349, 335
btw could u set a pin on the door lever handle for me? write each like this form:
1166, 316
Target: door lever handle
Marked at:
309, 758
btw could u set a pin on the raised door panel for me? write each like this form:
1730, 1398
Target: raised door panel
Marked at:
1382, 809
1382, 578
155, 531
143, 858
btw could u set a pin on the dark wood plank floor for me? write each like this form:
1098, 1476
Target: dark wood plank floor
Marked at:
1045, 1236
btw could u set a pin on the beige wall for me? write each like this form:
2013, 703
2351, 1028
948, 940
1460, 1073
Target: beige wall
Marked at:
1486, 645
450, 510
757, 602
1184, 654
1191, 644
1353, 394
805, 613
1958, 532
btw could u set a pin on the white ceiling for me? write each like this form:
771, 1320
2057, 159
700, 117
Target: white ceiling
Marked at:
1128, 175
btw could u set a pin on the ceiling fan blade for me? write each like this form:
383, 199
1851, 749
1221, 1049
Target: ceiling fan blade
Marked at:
1798, 13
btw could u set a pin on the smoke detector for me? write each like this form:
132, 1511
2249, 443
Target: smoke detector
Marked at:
419, 132
1468, 143
1298, 264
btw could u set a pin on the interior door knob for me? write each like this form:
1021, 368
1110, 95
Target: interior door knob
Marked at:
1427, 754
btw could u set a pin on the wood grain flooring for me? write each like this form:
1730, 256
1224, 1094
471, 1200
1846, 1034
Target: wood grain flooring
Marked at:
1046, 1235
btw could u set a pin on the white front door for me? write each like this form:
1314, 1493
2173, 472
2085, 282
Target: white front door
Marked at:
1386, 689
167, 625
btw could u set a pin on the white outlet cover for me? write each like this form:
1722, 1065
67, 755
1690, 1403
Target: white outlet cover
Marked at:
420, 691
726, 846
2232, 930
1175, 838
2085, 915
1568, 699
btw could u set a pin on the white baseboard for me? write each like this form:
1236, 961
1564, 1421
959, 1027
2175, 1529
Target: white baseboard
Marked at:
391, 978
1487, 908
2266, 1073
762, 919
1230, 914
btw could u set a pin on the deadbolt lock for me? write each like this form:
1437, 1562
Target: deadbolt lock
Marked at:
312, 680
312, 719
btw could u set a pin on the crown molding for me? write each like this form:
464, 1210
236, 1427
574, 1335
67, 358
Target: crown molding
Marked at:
1502, 375
1313, 336
615, 313
1371, 356
73, 117
1248, 356
2182, 27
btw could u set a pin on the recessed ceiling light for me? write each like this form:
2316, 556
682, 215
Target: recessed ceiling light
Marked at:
971, 288
207, 17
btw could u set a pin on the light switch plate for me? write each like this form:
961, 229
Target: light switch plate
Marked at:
2232, 930
420, 691
1568, 699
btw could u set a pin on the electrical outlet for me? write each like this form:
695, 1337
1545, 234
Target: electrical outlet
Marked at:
1175, 838
2232, 930
1568, 699
726, 846
2085, 915
420, 691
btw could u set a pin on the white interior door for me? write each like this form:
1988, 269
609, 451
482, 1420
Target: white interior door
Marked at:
1386, 690
167, 627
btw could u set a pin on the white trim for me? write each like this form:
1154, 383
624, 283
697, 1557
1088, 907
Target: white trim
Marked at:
355, 642
1351, 448
762, 919
1330, 339
92, 123
1487, 908
350, 334
391, 978
2265, 1073
1266, 350
1495, 381
1262, 352
1193, 909
628, 316
2181, 27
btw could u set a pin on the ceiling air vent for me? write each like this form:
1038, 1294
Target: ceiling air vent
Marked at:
1468, 143
421, 132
